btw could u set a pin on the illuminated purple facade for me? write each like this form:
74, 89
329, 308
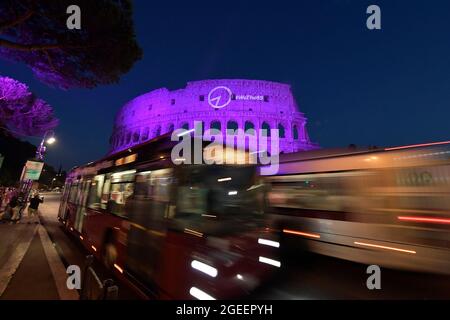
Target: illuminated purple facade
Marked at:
219, 104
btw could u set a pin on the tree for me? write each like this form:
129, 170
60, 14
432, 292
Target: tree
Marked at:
21, 113
16, 153
35, 32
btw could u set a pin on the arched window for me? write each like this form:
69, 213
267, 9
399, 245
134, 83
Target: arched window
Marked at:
158, 131
216, 125
281, 131
232, 126
249, 127
265, 126
295, 132
185, 126
144, 136
136, 136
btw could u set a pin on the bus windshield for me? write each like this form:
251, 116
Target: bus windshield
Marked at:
219, 191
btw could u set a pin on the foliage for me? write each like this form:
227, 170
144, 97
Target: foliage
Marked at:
35, 32
21, 113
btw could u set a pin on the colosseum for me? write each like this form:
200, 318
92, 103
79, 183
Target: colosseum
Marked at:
219, 104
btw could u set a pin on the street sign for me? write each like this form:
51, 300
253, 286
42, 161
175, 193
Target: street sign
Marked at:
33, 170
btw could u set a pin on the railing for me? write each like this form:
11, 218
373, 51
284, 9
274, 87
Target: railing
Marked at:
92, 288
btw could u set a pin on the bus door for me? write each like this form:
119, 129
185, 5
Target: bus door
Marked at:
81, 208
147, 211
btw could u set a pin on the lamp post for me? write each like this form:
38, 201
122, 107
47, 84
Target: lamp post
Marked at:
49, 138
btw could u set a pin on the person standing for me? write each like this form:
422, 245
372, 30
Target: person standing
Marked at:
33, 207
15, 208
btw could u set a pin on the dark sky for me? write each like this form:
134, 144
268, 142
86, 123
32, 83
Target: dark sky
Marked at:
388, 87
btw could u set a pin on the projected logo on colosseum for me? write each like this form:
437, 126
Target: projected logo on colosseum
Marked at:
219, 97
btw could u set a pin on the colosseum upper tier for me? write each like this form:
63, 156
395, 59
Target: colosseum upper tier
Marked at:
219, 104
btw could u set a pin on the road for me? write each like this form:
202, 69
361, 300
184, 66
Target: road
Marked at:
309, 276
69, 248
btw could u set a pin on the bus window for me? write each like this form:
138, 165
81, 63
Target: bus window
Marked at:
73, 192
95, 192
106, 191
154, 185
152, 194
191, 201
121, 187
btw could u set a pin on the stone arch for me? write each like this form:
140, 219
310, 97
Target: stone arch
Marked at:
281, 131
157, 131
249, 126
145, 133
215, 124
295, 132
265, 126
170, 127
136, 135
185, 126
232, 125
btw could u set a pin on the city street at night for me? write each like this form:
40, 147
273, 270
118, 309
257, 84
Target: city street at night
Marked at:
240, 158
308, 277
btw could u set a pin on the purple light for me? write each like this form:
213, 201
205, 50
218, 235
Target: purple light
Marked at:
225, 103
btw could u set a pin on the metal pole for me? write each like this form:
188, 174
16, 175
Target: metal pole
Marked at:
40, 157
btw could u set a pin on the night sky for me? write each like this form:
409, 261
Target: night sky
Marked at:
387, 87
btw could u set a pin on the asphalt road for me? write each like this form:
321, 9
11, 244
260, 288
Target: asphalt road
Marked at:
309, 276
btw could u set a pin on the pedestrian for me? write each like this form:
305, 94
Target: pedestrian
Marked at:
14, 208
33, 207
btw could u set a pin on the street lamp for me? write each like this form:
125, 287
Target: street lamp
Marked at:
49, 138
26, 184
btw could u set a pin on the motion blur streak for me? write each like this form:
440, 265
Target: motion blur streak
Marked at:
269, 243
118, 268
425, 219
301, 233
199, 294
384, 247
94, 248
270, 261
193, 232
418, 145
203, 267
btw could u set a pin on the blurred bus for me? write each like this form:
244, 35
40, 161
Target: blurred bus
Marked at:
389, 207
172, 231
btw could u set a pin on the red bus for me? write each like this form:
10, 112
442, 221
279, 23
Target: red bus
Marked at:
172, 231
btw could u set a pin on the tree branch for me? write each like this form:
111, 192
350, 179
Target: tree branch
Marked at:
50, 61
19, 20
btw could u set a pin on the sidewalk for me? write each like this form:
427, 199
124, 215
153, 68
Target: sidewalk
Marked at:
30, 268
